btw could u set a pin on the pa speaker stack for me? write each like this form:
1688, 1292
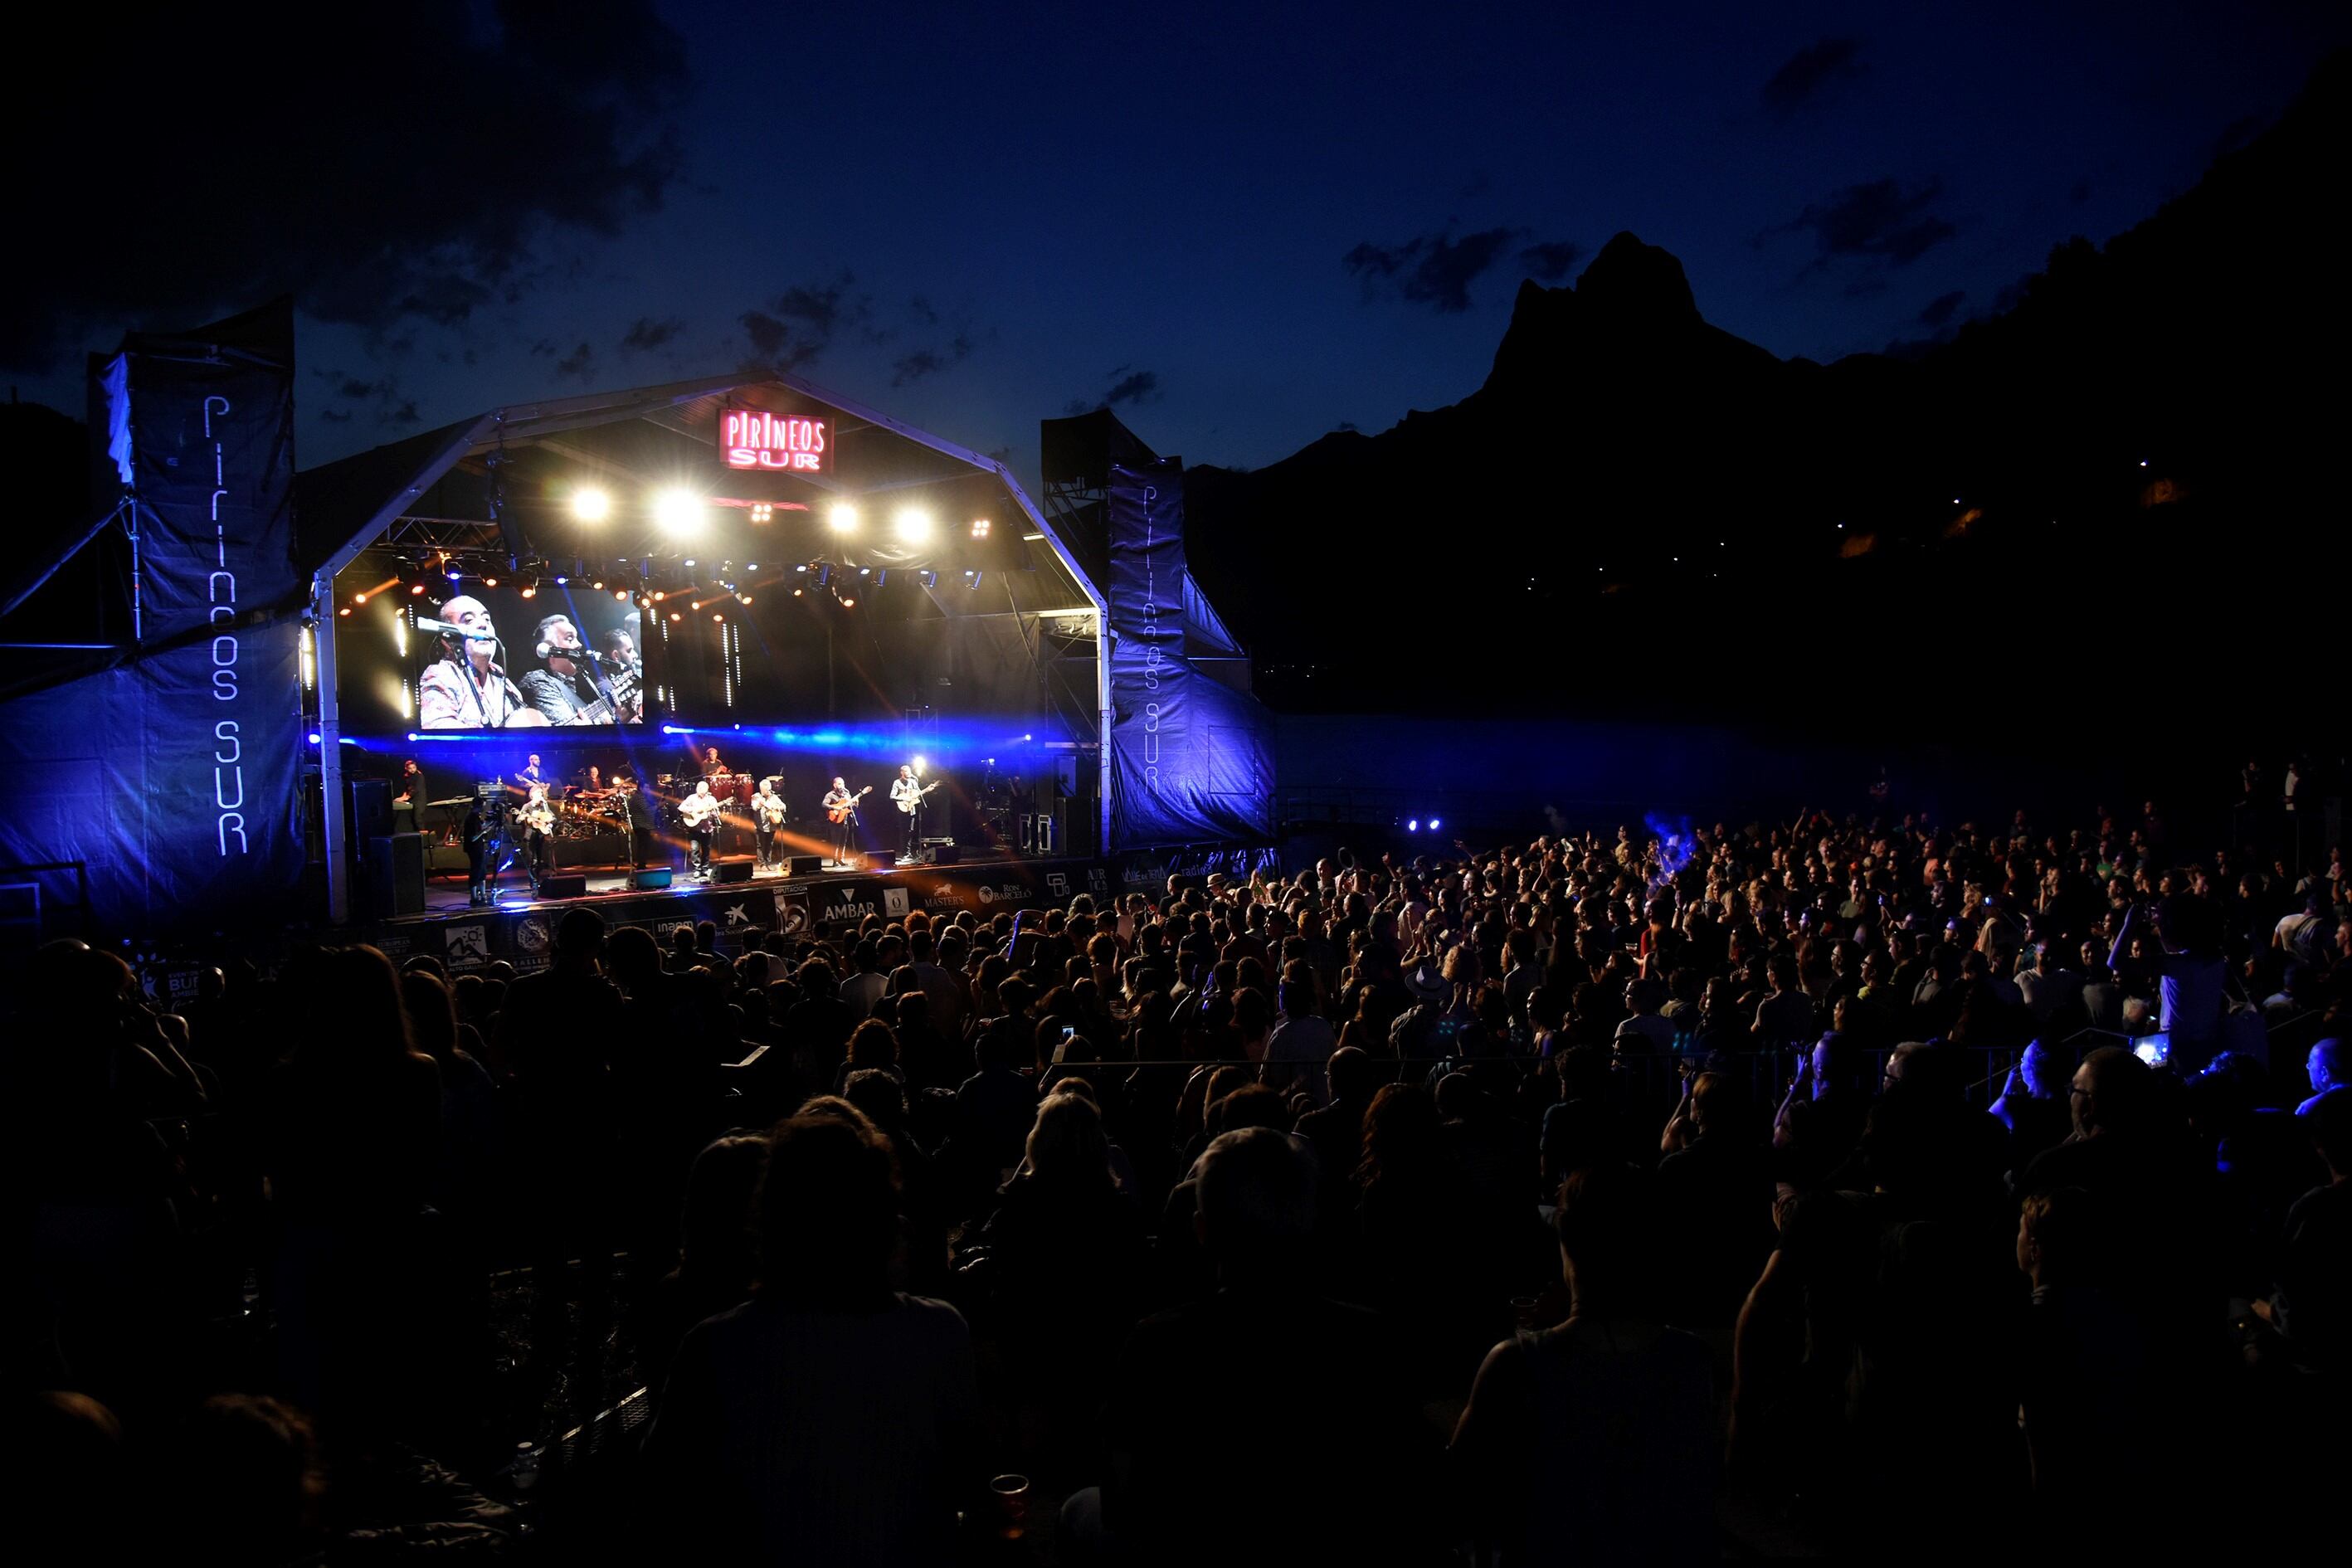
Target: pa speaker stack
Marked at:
395, 869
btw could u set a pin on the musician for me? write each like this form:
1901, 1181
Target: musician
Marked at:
711, 766
628, 807
412, 784
907, 794
700, 813
565, 689
537, 819
465, 688
768, 821
621, 648
841, 804
530, 776
480, 835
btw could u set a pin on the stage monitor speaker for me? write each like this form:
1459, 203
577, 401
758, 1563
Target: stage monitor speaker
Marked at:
881, 860
563, 884
646, 878
803, 865
1078, 827
395, 868
730, 870
371, 809
947, 853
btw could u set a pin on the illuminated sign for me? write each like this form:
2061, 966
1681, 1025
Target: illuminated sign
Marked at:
793, 443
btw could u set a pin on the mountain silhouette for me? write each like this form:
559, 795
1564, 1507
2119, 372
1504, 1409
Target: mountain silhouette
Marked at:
1636, 504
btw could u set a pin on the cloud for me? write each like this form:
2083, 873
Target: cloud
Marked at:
1552, 260
577, 365
922, 363
1125, 384
1875, 221
1433, 270
546, 126
380, 396
646, 333
1941, 309
797, 326
1811, 75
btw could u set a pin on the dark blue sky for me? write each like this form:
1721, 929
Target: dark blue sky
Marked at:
1246, 225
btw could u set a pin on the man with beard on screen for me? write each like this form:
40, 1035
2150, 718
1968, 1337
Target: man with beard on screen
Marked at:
465, 688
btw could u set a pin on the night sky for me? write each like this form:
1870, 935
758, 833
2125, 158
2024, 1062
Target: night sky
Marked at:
1241, 227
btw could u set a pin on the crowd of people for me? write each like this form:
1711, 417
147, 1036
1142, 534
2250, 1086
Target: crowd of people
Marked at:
1827, 1185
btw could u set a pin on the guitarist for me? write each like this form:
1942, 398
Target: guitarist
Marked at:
907, 795
565, 690
700, 814
768, 816
538, 820
841, 807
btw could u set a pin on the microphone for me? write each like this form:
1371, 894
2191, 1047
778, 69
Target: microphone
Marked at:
451, 628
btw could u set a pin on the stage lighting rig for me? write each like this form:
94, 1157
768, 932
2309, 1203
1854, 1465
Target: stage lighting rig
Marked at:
591, 504
913, 524
842, 517
679, 512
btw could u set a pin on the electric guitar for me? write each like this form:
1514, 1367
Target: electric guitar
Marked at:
771, 809
847, 808
624, 691
698, 810
907, 804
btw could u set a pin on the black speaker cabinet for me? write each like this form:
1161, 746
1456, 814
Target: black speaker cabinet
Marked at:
730, 870
649, 878
881, 860
371, 803
803, 865
395, 871
562, 885
946, 854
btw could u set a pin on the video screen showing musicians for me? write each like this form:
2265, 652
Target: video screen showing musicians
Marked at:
491, 660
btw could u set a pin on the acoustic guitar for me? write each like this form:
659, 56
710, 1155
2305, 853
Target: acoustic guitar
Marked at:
847, 808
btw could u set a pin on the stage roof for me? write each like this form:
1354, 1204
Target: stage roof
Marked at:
436, 491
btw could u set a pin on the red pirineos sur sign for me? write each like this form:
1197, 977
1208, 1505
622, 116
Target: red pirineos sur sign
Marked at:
789, 442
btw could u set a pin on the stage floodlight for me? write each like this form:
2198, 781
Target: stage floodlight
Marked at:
975, 581
344, 611
849, 604
678, 512
718, 617
980, 527
690, 561
1435, 825
622, 595
914, 525
1412, 825
490, 582
359, 598
919, 767
590, 504
842, 519
743, 599
416, 588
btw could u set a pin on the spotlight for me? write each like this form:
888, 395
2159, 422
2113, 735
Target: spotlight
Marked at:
930, 579
750, 566
849, 604
823, 575
975, 581
622, 595
979, 528
590, 504
1412, 825
359, 598
417, 587
344, 611
490, 582
718, 617
920, 766
1435, 825
882, 576
690, 561
675, 616
762, 511
530, 593
598, 585
743, 599
800, 568
798, 592
914, 525
842, 518
678, 512
660, 595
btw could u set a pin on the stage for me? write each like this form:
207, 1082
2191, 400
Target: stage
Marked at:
520, 929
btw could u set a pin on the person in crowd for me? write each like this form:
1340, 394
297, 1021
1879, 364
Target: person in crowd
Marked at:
829, 1419
1589, 1438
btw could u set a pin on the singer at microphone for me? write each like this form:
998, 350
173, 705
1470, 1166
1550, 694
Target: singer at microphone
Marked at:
465, 688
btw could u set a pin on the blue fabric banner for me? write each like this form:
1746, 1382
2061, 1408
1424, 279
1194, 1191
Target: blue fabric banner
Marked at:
169, 782
1191, 759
